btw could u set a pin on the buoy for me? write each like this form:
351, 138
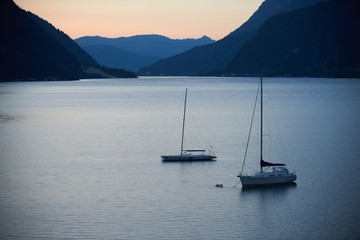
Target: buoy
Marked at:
219, 185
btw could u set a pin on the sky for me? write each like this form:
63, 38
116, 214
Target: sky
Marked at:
177, 19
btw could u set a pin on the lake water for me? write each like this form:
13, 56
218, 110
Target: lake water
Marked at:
81, 160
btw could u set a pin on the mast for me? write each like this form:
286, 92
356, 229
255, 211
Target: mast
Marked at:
261, 120
183, 127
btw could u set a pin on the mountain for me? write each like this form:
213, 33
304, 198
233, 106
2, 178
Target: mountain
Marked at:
32, 49
82, 56
137, 51
318, 41
212, 59
150, 45
111, 56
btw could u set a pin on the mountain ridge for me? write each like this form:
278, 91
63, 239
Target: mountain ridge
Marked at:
316, 41
212, 59
111, 56
136, 51
32, 49
150, 44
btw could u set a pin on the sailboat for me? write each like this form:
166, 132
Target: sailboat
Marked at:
270, 173
188, 155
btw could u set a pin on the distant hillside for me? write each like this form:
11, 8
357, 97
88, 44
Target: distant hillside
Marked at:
82, 56
212, 59
112, 56
149, 45
318, 41
32, 49
138, 51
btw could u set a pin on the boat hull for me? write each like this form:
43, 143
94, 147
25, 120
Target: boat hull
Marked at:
188, 158
267, 180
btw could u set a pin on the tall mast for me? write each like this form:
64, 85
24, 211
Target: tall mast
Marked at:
261, 119
183, 128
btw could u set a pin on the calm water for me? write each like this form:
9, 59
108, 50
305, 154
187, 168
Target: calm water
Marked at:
81, 160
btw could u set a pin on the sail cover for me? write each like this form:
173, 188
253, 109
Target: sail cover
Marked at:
268, 164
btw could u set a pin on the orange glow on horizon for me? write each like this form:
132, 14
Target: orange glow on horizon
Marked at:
120, 18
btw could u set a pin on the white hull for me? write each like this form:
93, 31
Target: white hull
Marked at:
188, 157
279, 173
265, 179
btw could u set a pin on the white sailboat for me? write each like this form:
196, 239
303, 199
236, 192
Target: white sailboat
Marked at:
270, 173
188, 155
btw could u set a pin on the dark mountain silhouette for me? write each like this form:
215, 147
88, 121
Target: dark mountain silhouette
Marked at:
137, 51
212, 59
82, 56
112, 56
318, 41
149, 45
32, 49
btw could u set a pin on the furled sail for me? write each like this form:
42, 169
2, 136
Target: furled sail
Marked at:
268, 164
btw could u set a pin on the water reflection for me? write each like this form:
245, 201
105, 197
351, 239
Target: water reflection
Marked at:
5, 92
267, 196
5, 118
269, 189
87, 155
269, 207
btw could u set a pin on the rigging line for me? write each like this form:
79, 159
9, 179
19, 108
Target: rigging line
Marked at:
174, 121
237, 183
183, 126
252, 120
193, 122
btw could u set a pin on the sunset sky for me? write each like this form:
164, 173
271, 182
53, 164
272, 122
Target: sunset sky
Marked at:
121, 18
